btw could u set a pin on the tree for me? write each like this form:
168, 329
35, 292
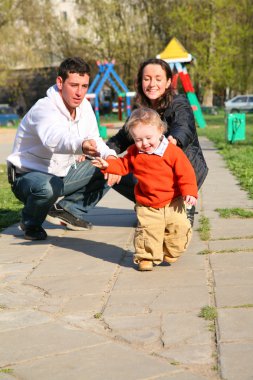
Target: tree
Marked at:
121, 30
218, 34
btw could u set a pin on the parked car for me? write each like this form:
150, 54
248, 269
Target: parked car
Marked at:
240, 103
7, 115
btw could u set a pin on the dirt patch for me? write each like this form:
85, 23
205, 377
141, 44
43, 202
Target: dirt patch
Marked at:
7, 135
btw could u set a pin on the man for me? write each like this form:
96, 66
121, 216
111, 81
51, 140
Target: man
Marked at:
47, 162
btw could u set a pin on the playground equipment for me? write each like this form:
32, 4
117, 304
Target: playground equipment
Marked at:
177, 56
105, 74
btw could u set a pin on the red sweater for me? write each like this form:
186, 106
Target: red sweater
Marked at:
160, 179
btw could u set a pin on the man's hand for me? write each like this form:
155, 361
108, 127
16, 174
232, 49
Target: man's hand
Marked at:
89, 147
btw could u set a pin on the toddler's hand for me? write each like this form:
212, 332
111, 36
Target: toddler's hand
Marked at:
112, 178
190, 200
100, 163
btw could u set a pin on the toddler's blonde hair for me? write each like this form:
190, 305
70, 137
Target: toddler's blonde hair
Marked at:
146, 116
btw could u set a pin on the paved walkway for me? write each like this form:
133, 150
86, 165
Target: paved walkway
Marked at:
75, 307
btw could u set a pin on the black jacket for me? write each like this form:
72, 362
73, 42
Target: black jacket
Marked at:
181, 125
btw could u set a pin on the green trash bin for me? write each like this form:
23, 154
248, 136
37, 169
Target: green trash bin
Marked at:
236, 125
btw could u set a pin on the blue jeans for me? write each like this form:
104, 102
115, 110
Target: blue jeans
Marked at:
82, 189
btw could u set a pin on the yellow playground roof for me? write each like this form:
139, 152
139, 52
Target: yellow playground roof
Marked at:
175, 52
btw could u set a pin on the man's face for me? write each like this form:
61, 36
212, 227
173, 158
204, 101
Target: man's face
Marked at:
73, 90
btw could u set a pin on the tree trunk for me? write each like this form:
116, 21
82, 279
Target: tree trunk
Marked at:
208, 97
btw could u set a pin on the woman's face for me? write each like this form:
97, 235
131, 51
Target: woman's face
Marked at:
154, 82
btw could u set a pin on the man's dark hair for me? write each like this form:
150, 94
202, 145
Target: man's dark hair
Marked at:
73, 65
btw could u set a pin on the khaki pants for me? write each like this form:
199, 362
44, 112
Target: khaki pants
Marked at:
163, 231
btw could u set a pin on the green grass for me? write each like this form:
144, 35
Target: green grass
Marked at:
6, 370
14, 126
97, 315
9, 206
239, 155
234, 213
204, 228
244, 306
209, 313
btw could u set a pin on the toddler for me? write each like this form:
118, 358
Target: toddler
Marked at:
165, 183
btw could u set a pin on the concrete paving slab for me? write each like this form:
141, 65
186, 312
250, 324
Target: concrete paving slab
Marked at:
101, 361
184, 354
75, 286
5, 375
234, 277
163, 277
186, 375
228, 295
74, 306
182, 299
185, 328
135, 322
10, 320
232, 244
235, 324
231, 261
236, 361
46, 339
16, 296
86, 304
129, 303
68, 262
231, 229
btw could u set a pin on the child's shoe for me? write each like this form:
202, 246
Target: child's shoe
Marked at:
169, 260
145, 265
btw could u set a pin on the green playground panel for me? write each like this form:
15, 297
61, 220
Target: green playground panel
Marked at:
193, 100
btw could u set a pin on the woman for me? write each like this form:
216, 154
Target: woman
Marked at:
154, 90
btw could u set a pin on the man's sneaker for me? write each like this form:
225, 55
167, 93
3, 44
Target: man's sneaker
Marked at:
64, 218
33, 233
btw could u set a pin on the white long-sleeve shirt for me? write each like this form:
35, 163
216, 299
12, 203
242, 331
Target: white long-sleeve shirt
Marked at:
48, 139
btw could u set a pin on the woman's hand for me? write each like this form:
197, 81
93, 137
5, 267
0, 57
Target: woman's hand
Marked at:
190, 200
172, 140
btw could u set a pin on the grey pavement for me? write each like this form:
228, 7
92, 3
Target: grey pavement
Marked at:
75, 307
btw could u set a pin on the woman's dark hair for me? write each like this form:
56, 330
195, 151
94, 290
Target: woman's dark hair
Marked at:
164, 101
73, 65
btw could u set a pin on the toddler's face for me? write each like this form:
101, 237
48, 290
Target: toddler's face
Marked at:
146, 137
